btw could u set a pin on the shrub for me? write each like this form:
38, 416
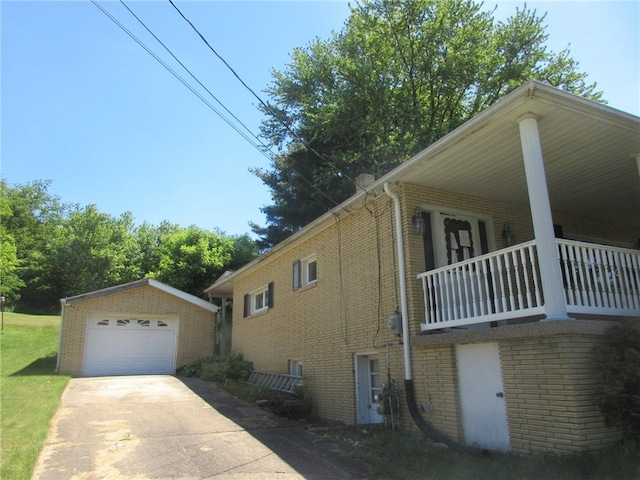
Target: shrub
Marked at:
219, 369
194, 369
618, 360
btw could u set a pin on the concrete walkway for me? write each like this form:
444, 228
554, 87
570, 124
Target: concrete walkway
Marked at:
162, 427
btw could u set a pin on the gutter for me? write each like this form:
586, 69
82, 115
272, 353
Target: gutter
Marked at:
429, 431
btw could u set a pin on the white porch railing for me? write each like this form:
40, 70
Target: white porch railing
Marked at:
599, 279
506, 285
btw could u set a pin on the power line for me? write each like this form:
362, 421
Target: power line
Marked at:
266, 151
265, 105
193, 76
177, 76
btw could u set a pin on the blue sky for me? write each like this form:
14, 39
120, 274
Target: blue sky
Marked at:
86, 107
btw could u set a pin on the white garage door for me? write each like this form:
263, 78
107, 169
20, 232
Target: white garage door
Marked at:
129, 346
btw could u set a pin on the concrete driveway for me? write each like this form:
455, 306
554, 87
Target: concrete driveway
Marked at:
157, 427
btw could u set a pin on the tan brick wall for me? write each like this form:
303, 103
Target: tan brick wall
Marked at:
436, 380
551, 390
195, 329
326, 325
346, 312
518, 216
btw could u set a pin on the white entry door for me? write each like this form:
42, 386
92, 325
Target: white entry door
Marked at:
482, 400
120, 345
368, 385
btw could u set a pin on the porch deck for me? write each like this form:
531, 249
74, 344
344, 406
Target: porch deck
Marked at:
506, 284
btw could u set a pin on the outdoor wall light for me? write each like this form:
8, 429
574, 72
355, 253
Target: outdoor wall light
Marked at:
418, 221
508, 236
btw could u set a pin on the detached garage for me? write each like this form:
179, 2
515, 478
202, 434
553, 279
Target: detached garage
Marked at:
143, 327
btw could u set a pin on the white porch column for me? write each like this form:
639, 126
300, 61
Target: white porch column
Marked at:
553, 290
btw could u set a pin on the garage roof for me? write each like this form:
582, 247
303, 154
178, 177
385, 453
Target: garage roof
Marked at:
142, 283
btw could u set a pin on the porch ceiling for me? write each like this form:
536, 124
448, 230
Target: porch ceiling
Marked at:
589, 154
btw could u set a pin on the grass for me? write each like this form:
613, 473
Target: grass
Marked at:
31, 393
30, 389
401, 455
394, 455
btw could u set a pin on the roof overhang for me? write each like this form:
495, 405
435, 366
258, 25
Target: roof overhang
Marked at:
221, 288
590, 152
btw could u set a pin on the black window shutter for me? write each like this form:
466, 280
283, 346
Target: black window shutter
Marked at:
484, 239
247, 300
270, 295
429, 255
557, 230
296, 274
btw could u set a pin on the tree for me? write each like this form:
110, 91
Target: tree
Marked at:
50, 250
191, 258
399, 76
89, 251
149, 238
245, 250
30, 217
10, 282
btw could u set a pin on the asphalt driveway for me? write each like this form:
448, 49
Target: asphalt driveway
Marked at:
162, 427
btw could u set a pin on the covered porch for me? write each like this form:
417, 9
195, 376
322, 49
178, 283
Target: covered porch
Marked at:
561, 156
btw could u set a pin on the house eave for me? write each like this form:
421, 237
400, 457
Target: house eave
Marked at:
533, 97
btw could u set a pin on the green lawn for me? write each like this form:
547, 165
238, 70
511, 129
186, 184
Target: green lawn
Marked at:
30, 389
406, 456
31, 392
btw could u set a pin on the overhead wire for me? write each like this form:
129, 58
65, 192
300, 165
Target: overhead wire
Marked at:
373, 212
376, 217
344, 317
194, 77
177, 76
265, 105
265, 151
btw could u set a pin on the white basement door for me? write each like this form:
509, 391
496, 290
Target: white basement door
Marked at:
121, 345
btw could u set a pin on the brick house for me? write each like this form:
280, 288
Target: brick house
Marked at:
478, 276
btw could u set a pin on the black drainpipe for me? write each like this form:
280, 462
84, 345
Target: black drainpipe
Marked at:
426, 429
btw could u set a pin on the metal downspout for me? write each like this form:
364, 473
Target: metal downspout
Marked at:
403, 283
421, 423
